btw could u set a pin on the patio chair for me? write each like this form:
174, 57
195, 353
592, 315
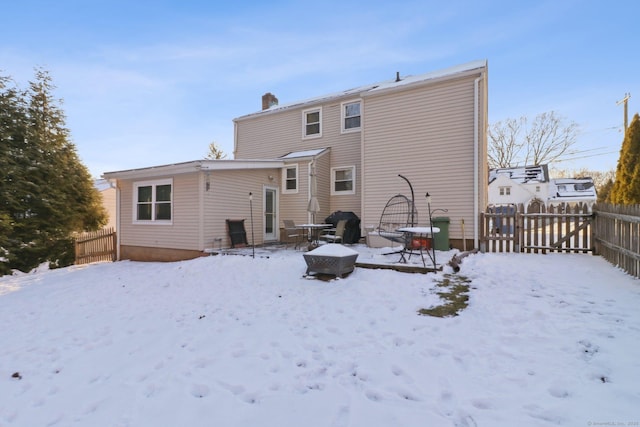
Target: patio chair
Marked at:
293, 234
400, 211
336, 235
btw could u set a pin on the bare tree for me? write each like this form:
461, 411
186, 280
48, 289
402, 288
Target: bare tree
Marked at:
505, 143
521, 142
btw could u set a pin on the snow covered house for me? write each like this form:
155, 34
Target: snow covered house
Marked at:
430, 128
532, 183
572, 191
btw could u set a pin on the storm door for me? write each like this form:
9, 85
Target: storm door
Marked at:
270, 204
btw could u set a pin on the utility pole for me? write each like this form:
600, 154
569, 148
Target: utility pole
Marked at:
625, 101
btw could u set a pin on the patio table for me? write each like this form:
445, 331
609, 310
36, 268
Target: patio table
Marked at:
313, 231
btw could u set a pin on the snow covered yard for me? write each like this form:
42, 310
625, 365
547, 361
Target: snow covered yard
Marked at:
237, 341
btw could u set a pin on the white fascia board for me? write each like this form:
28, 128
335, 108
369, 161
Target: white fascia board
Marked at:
218, 165
154, 171
193, 166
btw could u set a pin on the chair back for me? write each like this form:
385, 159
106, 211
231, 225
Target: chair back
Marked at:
340, 227
400, 211
289, 224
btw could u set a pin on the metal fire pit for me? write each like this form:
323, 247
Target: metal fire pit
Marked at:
331, 259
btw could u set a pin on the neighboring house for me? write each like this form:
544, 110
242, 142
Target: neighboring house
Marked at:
108, 194
430, 128
571, 191
532, 183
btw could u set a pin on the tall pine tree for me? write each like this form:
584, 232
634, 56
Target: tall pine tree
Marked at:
50, 192
626, 189
12, 185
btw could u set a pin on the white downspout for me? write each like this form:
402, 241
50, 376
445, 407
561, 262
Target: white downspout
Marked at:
114, 184
476, 143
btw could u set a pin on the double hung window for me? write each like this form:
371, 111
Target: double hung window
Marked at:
290, 179
153, 201
343, 180
312, 122
351, 116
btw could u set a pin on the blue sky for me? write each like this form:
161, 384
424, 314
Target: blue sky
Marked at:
154, 82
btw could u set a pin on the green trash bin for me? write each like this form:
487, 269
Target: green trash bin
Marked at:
441, 239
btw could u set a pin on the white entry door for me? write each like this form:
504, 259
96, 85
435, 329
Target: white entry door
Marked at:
270, 204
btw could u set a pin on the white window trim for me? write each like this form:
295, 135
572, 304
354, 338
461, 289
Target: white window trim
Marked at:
153, 184
343, 116
333, 180
284, 179
304, 123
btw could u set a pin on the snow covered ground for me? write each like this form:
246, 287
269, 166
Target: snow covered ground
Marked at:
241, 341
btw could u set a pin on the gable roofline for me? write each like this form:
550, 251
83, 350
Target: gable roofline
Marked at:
375, 88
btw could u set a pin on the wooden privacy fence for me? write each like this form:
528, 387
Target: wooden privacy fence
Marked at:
538, 229
617, 235
612, 231
94, 246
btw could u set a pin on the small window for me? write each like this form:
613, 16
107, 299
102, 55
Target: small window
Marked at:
537, 188
290, 179
351, 116
312, 121
343, 180
153, 201
505, 191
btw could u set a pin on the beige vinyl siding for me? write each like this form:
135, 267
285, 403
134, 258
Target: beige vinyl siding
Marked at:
228, 198
109, 203
183, 233
427, 135
294, 206
274, 134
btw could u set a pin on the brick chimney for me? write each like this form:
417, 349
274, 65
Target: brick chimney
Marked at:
269, 100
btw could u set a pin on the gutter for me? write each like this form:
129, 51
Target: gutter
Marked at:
476, 143
113, 183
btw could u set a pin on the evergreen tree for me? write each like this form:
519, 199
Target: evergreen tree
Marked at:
12, 184
626, 189
50, 192
604, 192
215, 153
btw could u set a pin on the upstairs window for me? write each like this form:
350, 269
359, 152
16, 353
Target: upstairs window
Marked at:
312, 121
505, 191
290, 179
351, 116
153, 201
343, 180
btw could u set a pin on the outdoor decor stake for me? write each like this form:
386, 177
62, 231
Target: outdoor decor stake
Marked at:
253, 246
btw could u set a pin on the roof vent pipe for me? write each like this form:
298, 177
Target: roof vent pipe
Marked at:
397, 76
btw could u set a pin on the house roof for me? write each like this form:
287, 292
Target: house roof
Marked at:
386, 85
193, 166
213, 165
522, 175
572, 189
305, 155
101, 184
